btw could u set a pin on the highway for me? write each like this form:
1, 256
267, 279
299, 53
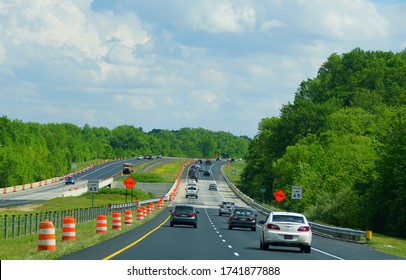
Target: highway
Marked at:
212, 240
53, 190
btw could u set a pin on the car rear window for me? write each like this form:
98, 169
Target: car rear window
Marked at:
183, 208
288, 218
243, 212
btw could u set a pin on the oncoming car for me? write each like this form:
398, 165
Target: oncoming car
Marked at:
286, 229
184, 214
70, 180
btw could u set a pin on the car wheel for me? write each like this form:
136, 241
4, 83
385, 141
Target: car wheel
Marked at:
307, 249
195, 225
196, 196
220, 214
230, 227
254, 228
171, 224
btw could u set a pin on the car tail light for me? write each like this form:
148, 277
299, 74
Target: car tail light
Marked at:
304, 228
221, 206
252, 218
273, 227
233, 217
175, 214
192, 214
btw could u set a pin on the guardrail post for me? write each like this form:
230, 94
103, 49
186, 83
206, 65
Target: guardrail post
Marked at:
25, 223
5, 226
13, 225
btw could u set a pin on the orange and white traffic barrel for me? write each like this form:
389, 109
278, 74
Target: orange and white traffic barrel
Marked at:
152, 207
116, 221
128, 218
149, 211
47, 237
69, 228
101, 224
159, 205
140, 214
145, 211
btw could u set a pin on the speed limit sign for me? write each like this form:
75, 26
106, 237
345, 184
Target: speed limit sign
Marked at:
297, 192
93, 186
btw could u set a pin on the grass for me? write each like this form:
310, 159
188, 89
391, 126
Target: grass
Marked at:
161, 172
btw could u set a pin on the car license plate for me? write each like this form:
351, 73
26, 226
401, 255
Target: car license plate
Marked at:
243, 219
288, 236
183, 215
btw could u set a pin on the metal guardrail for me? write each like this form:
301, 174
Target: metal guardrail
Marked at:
324, 230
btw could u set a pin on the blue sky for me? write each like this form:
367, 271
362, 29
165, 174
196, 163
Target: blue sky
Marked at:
218, 65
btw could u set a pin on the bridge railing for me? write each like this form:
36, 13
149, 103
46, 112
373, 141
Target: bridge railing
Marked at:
328, 231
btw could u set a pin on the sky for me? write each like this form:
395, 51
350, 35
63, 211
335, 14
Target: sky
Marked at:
220, 65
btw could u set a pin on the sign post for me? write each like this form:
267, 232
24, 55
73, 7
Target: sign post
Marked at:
129, 183
297, 193
262, 190
93, 187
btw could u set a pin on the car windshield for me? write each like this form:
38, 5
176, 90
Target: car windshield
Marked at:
288, 218
243, 212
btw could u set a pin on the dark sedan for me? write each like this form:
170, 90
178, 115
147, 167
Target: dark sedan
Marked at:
242, 217
183, 214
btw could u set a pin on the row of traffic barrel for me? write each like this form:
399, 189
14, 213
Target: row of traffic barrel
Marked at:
178, 180
174, 191
47, 236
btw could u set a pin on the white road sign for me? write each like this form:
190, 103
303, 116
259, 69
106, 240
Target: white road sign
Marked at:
297, 192
93, 186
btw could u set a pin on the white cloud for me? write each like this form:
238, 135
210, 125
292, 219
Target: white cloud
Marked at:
221, 16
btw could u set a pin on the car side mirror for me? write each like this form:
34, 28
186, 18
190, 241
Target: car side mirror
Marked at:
261, 222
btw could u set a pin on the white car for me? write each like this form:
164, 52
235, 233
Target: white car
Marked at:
286, 229
192, 191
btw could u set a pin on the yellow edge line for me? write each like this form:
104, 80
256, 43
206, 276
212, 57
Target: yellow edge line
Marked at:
135, 242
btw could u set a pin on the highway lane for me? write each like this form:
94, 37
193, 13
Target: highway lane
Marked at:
212, 240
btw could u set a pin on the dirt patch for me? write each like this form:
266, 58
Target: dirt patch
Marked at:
21, 208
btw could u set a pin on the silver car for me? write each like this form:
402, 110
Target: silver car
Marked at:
226, 207
213, 186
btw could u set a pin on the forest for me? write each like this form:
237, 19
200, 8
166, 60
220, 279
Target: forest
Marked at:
31, 152
343, 140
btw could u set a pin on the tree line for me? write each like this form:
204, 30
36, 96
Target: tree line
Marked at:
31, 152
343, 139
